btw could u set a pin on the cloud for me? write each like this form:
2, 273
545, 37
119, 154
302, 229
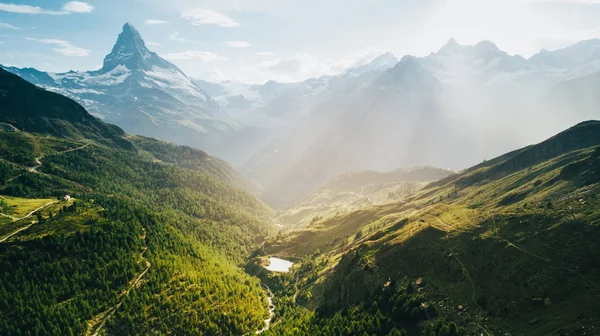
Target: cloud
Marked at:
153, 44
302, 66
204, 56
63, 47
78, 7
238, 44
155, 22
68, 8
26, 9
207, 17
175, 36
265, 53
8, 26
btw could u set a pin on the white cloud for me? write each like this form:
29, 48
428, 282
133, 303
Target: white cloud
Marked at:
175, 36
155, 22
153, 44
208, 17
238, 44
26, 9
8, 26
265, 53
304, 65
68, 8
204, 56
78, 7
63, 47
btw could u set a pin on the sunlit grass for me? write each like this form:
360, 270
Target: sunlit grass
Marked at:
21, 207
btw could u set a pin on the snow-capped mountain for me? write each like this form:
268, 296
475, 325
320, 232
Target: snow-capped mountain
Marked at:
238, 98
452, 108
144, 94
381, 62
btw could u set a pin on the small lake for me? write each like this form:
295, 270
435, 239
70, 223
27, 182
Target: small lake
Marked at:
279, 265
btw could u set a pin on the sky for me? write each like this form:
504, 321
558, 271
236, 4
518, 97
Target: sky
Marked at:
253, 41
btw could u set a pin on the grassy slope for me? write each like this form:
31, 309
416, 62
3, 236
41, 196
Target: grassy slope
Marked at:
357, 190
495, 239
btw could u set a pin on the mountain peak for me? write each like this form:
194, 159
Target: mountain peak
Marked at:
487, 45
130, 32
386, 59
381, 62
129, 50
407, 67
450, 46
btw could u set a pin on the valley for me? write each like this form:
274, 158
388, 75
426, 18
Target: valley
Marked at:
159, 238
453, 192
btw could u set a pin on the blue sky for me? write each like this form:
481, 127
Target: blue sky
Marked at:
286, 40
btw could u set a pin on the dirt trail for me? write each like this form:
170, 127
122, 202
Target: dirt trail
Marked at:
18, 219
38, 160
17, 231
296, 288
96, 324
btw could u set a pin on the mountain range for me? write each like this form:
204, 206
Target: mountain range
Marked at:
451, 109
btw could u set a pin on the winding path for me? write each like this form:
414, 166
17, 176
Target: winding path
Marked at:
38, 160
34, 169
18, 219
96, 324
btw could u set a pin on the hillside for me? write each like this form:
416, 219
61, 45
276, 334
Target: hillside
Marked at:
356, 190
148, 241
507, 247
35, 110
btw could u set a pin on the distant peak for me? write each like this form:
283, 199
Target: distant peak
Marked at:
387, 57
271, 82
407, 63
382, 62
408, 59
487, 45
450, 46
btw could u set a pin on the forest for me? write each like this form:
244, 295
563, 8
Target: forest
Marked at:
190, 225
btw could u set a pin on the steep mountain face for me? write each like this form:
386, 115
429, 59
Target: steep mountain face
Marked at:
144, 94
453, 108
507, 247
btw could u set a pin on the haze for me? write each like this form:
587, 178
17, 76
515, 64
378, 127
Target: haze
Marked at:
257, 40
